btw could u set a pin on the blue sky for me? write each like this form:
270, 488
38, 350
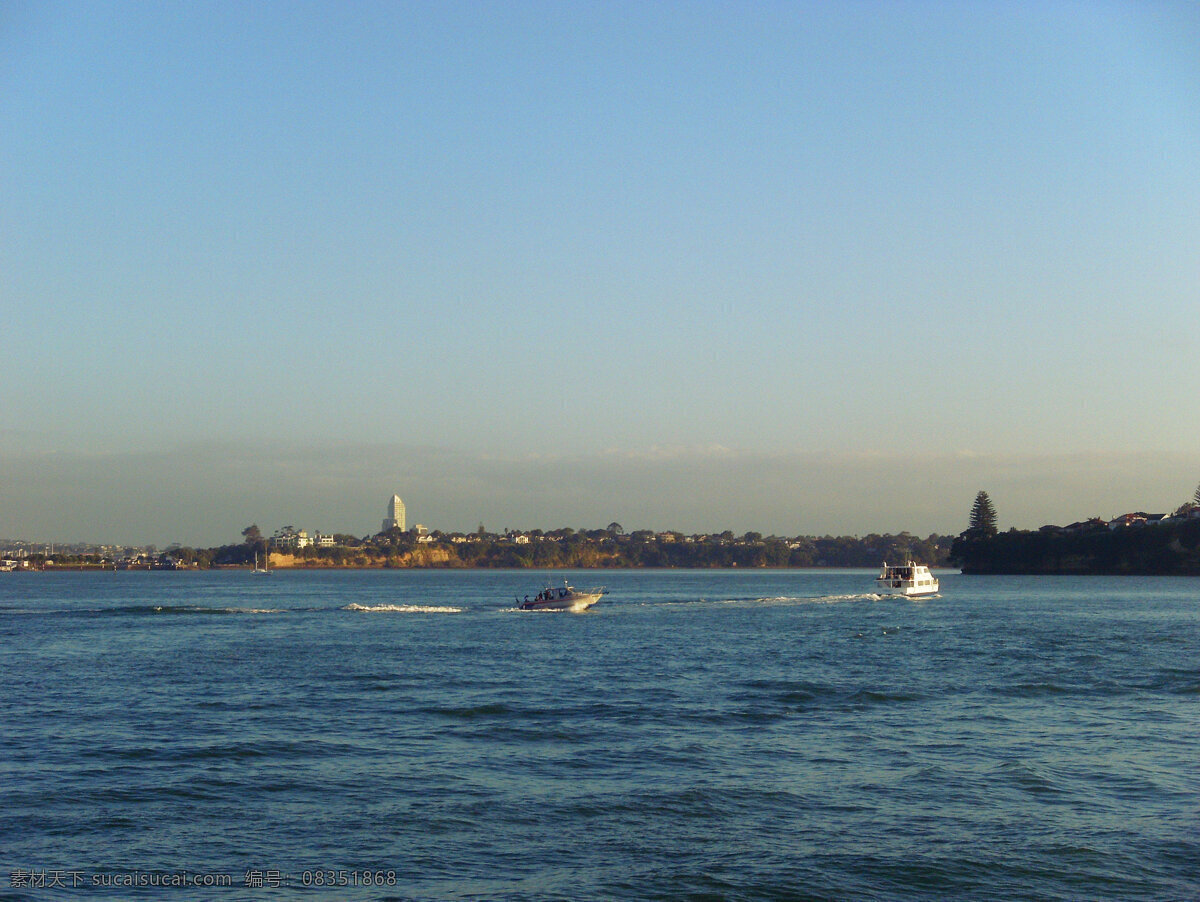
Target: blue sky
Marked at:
795, 268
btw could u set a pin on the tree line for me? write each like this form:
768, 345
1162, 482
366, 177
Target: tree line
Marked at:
1166, 548
606, 548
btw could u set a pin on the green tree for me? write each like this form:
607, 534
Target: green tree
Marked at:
1196, 496
983, 517
252, 534
398, 539
617, 530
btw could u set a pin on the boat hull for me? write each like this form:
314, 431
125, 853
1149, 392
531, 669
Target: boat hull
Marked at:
890, 587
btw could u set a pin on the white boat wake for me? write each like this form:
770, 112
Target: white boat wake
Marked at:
402, 609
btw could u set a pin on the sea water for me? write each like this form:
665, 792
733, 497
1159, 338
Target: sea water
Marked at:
696, 735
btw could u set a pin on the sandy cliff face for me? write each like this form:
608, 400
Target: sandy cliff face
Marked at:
420, 557
426, 557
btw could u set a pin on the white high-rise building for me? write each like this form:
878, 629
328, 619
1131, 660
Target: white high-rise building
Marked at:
395, 515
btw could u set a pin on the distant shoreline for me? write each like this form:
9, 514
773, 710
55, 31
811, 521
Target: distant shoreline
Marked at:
1159, 549
1164, 549
605, 549
234, 568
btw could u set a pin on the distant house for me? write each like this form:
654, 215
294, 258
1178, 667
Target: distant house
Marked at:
1138, 518
289, 537
1086, 525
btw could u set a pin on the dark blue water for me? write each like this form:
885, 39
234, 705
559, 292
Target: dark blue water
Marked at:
697, 735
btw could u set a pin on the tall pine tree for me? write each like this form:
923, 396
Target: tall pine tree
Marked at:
983, 517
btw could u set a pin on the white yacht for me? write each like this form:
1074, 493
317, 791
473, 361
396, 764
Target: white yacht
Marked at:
562, 598
909, 579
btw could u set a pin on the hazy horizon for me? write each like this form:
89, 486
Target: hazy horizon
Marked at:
796, 268
345, 490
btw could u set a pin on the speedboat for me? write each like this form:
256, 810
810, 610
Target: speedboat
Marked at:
909, 579
562, 598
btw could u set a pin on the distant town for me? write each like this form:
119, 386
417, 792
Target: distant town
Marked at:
1077, 547
399, 545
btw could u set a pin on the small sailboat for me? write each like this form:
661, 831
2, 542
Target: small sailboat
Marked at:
265, 568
